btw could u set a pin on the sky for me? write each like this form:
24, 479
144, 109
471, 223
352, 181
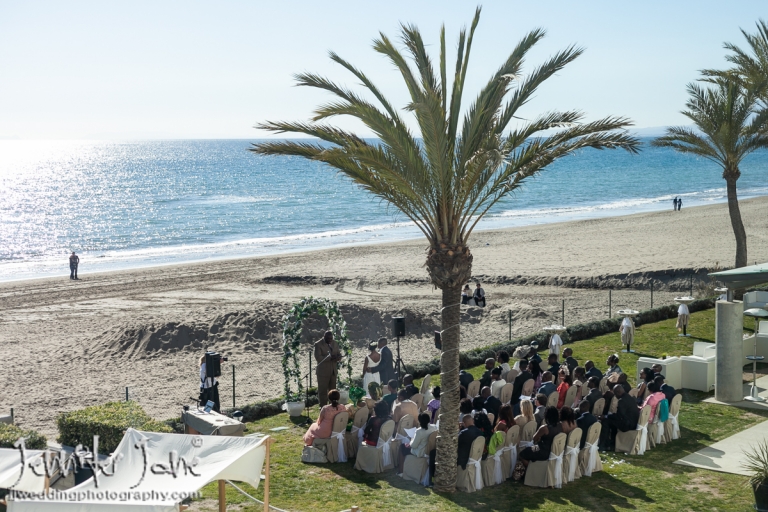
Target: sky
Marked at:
194, 69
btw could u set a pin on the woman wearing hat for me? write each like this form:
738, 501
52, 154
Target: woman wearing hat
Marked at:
371, 366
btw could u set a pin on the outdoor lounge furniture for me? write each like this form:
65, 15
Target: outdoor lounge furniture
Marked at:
671, 369
698, 370
755, 300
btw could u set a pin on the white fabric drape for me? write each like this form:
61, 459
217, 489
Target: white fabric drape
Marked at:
498, 477
342, 453
592, 459
526, 444
385, 456
425, 480
683, 310
659, 432
643, 429
573, 453
675, 426
478, 474
558, 469
512, 457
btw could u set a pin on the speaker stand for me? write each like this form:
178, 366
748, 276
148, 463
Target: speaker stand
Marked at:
399, 364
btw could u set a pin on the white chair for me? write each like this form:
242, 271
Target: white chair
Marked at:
589, 458
424, 388
703, 349
417, 468
471, 478
552, 399
597, 409
509, 457
756, 299
548, 473
506, 393
354, 436
335, 446
635, 442
672, 425
493, 467
377, 459
401, 436
656, 427
671, 369
528, 387
698, 372
474, 389
570, 396
526, 435
571, 456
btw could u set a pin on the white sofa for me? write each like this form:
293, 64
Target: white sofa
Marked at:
671, 369
698, 370
748, 345
755, 300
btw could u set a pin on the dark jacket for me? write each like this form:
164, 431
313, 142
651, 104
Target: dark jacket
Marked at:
411, 390
593, 396
485, 380
517, 387
465, 378
668, 391
572, 364
554, 369
548, 388
585, 421
627, 412
594, 372
535, 357
626, 386
492, 405
386, 367
466, 438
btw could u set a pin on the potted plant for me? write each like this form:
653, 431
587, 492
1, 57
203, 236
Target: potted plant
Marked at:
293, 404
757, 466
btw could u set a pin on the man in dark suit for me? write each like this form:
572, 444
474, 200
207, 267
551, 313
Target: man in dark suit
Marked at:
593, 384
466, 438
386, 366
485, 380
410, 389
491, 404
589, 366
569, 359
669, 391
585, 420
465, 378
327, 355
624, 419
554, 365
517, 386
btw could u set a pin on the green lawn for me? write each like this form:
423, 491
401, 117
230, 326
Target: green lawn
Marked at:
649, 482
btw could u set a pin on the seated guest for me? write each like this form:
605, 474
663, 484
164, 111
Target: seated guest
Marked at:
392, 395
653, 398
541, 407
322, 428
589, 366
466, 437
646, 376
607, 399
497, 382
542, 439
656, 368
503, 360
485, 380
381, 414
465, 378
613, 365
462, 392
491, 404
567, 419
418, 444
484, 424
526, 413
498, 439
624, 419
404, 406
520, 380
547, 386
408, 386
554, 366
434, 404
535, 369
585, 420
505, 415
569, 360
578, 380
622, 381
563, 383
374, 391
465, 407
478, 406
593, 384
533, 354
665, 388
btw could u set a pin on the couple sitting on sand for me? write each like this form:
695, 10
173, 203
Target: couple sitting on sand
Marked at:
378, 366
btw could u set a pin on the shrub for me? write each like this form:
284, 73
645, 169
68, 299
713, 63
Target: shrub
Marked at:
9, 434
108, 421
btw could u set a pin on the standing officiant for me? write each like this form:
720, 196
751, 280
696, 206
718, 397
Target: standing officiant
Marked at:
386, 365
327, 356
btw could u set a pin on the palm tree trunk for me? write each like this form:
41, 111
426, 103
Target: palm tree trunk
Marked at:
447, 440
737, 224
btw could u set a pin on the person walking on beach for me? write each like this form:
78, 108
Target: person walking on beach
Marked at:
74, 260
327, 355
679, 203
674, 204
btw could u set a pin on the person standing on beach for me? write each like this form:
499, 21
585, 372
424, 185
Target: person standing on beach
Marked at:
386, 367
74, 260
679, 203
327, 355
674, 204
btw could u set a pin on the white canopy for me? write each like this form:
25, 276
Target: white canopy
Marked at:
157, 477
10, 470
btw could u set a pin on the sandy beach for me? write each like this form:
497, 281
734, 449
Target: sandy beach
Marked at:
70, 344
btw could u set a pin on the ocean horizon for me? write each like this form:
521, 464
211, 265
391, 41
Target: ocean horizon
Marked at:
133, 204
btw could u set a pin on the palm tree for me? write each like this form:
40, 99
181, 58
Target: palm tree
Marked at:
729, 126
750, 67
459, 169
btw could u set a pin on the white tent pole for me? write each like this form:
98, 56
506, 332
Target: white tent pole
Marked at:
222, 497
269, 442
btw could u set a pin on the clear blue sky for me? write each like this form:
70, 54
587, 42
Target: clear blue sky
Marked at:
194, 69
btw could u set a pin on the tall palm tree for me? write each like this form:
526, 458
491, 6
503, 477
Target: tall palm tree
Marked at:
729, 125
752, 65
462, 166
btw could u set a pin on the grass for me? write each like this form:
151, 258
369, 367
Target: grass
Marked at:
650, 482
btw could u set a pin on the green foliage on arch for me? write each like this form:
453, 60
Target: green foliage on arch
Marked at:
292, 329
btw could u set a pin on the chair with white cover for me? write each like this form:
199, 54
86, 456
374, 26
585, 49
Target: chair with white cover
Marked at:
355, 435
672, 425
548, 473
512, 375
335, 446
417, 468
571, 457
474, 389
377, 459
424, 388
656, 428
597, 409
418, 399
526, 435
506, 393
589, 458
528, 387
635, 442
552, 399
633, 392
509, 457
471, 478
401, 436
493, 467
491, 417
603, 385
570, 395
614, 405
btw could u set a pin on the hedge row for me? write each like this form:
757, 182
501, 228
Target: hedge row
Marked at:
10, 433
108, 421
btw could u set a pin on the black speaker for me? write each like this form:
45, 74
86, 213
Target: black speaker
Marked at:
212, 364
398, 329
438, 341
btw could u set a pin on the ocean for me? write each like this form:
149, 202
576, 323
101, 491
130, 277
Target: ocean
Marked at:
133, 204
